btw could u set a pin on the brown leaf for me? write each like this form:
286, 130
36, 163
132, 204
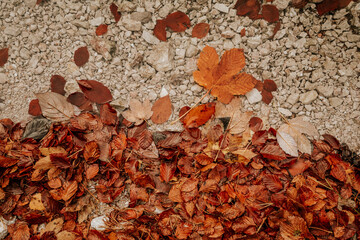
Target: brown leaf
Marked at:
21, 231
92, 171
162, 110
58, 84
95, 91
101, 29
249, 8
114, 11
4, 55
270, 13
177, 21
183, 230
255, 124
160, 30
60, 160
198, 115
81, 56
167, 171
269, 85
272, 183
70, 189
203, 159
91, 152
200, 30
34, 108
54, 106
78, 99
273, 152
331, 5
108, 114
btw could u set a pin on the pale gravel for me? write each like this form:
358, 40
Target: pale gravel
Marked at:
314, 60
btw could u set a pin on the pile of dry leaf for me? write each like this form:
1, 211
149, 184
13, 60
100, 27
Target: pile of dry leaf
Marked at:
225, 176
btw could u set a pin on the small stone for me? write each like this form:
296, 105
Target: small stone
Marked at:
39, 70
34, 39
253, 96
163, 92
161, 58
34, 61
152, 95
150, 38
142, 17
325, 91
165, 10
253, 42
182, 88
228, 44
96, 21
285, 112
24, 53
281, 4
30, 4
335, 101
317, 74
127, 6
131, 25
12, 31
196, 88
191, 51
308, 97
3, 78
293, 98
221, 7
82, 24
98, 223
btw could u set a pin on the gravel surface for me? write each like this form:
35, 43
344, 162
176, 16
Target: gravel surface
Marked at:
314, 60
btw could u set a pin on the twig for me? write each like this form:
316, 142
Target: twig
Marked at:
321, 230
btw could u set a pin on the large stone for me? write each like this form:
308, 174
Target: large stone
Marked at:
131, 25
325, 91
161, 58
191, 51
253, 42
281, 4
308, 97
221, 7
150, 38
143, 17
253, 96
335, 101
12, 31
96, 21
293, 98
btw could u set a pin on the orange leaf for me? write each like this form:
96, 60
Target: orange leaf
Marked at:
92, 171
243, 32
272, 183
160, 30
199, 115
167, 171
34, 108
4, 55
162, 109
223, 78
101, 29
177, 21
70, 189
200, 30
81, 56
91, 152
270, 13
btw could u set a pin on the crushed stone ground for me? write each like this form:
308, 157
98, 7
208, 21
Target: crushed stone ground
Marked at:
314, 60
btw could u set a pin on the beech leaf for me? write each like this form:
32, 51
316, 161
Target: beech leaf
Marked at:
270, 13
177, 21
4, 55
81, 56
55, 107
34, 108
200, 30
160, 30
162, 110
138, 111
101, 29
114, 11
287, 143
58, 84
95, 91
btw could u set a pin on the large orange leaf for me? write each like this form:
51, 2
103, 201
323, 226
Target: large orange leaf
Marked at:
223, 78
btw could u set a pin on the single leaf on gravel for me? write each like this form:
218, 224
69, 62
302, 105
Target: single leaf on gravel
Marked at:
70, 189
287, 143
78, 99
95, 91
270, 13
198, 115
58, 84
331, 5
55, 107
162, 110
4, 55
114, 11
223, 79
138, 111
101, 29
160, 30
81, 56
249, 8
200, 30
34, 108
177, 21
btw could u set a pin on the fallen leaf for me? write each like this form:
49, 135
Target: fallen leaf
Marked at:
55, 107
276, 29
177, 21
78, 99
200, 30
243, 32
70, 189
162, 110
240, 122
273, 152
138, 111
114, 11
272, 183
36, 203
223, 78
101, 29
34, 108
255, 124
81, 56
167, 171
249, 8
92, 171
58, 84
198, 115
270, 13
95, 91
37, 128
108, 114
4, 55
228, 110
287, 143
160, 30
331, 5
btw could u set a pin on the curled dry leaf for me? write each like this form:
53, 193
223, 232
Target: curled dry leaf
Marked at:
200, 30
223, 78
95, 91
160, 30
198, 115
101, 29
138, 111
81, 56
162, 110
114, 11
58, 84
34, 108
270, 13
177, 21
4, 55
55, 107
70, 189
